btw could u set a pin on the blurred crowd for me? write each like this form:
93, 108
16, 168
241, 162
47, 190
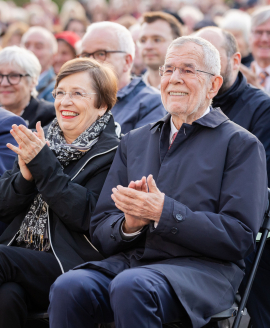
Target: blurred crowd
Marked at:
67, 25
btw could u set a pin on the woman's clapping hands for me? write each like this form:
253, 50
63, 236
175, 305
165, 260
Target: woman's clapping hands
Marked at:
29, 145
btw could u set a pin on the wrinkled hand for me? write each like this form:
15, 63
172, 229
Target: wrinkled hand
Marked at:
250, 75
30, 143
139, 206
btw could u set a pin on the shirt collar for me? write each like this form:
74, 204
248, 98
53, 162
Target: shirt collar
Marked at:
145, 78
173, 128
259, 69
128, 88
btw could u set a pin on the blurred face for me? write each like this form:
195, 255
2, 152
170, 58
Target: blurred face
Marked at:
41, 47
105, 40
64, 54
76, 115
14, 97
217, 41
260, 42
154, 40
241, 41
76, 27
185, 96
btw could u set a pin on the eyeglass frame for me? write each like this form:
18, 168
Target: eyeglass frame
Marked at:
7, 77
70, 94
181, 70
93, 53
259, 34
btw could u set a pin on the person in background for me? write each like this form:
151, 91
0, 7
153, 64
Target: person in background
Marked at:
238, 23
43, 44
242, 103
13, 34
137, 104
138, 67
158, 30
259, 73
77, 26
7, 156
50, 194
250, 108
19, 73
66, 49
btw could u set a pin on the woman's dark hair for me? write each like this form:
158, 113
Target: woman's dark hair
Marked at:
104, 80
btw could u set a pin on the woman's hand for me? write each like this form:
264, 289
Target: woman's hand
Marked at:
25, 170
30, 144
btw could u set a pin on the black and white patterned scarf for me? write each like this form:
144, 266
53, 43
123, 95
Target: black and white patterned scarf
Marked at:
34, 228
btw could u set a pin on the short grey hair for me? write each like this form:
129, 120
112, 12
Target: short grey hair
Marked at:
45, 33
237, 20
211, 54
124, 36
260, 16
24, 59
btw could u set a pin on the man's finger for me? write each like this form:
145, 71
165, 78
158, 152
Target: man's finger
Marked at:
152, 184
132, 193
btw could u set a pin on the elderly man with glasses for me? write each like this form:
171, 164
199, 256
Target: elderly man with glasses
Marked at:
137, 104
178, 213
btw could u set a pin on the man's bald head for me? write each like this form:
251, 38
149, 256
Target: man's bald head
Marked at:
229, 55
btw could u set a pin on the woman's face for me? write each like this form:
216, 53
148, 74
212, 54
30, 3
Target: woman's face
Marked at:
14, 97
64, 54
76, 115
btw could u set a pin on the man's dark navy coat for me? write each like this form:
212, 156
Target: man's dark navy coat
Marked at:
215, 182
250, 108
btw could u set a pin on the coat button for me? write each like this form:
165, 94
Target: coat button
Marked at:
174, 230
113, 237
179, 217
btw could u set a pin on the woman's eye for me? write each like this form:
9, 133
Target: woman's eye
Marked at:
59, 93
77, 93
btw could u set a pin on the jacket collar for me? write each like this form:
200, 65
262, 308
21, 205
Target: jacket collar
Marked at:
46, 78
211, 120
229, 97
129, 88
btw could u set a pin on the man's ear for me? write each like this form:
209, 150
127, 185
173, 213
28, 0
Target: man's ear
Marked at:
128, 63
236, 61
216, 83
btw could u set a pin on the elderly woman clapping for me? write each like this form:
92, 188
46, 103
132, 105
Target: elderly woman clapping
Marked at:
50, 194
19, 74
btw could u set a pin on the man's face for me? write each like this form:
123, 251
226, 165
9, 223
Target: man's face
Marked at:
217, 41
181, 95
260, 42
102, 39
154, 40
42, 48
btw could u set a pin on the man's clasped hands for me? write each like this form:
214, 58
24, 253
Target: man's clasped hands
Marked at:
141, 202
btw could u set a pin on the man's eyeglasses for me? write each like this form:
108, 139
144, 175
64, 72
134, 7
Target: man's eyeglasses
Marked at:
259, 33
59, 94
167, 70
99, 55
12, 78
